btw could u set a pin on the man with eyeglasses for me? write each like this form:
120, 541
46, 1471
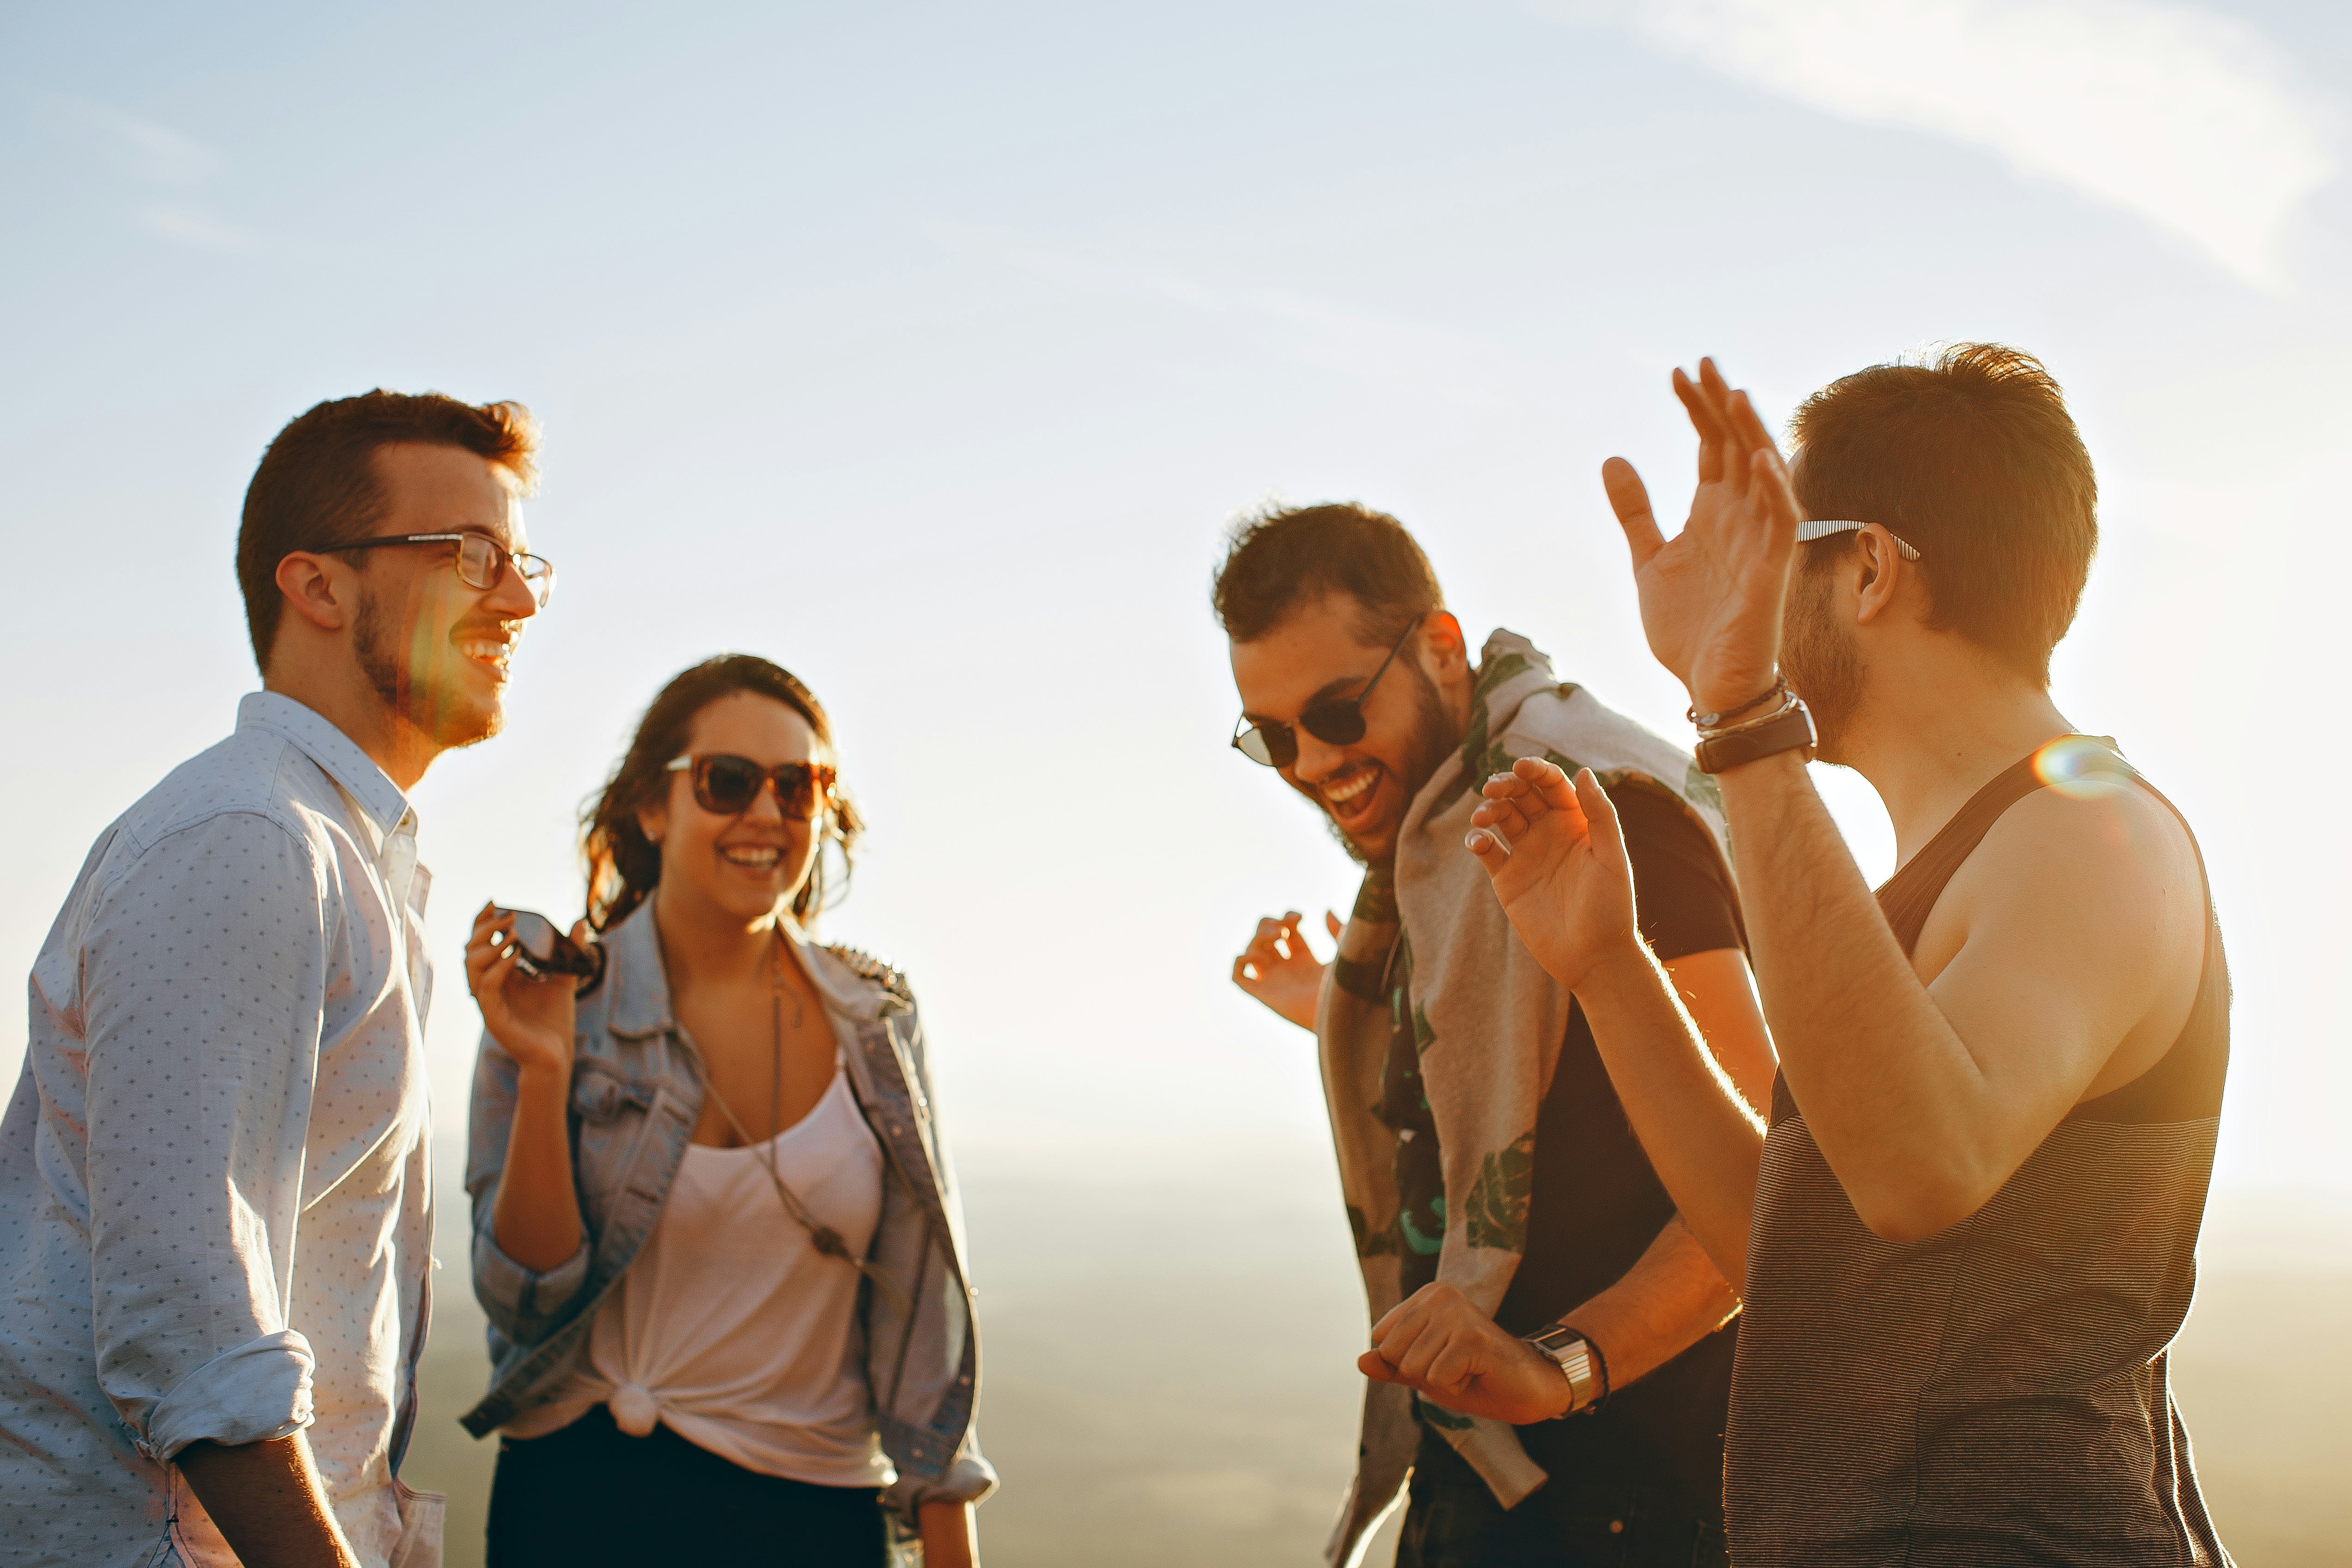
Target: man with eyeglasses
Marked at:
1489, 1174
215, 1192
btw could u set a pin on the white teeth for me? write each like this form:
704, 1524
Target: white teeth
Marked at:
757, 857
1340, 795
487, 651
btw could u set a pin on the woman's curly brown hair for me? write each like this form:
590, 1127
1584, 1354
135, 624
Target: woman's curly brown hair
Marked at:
624, 865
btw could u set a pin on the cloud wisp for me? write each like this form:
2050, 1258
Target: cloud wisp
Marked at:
2189, 120
165, 160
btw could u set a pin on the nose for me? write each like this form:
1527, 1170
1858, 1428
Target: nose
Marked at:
513, 599
1318, 760
767, 805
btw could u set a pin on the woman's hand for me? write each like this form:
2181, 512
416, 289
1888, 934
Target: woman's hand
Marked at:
1559, 866
1279, 970
531, 1018
1712, 595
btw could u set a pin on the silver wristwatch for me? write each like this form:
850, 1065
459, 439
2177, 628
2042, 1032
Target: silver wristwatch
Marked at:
1567, 1349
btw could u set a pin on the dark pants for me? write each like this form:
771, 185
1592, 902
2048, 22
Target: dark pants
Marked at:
591, 1494
1453, 1521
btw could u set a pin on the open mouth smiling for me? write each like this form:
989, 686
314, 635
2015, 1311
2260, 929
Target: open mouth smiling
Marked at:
1350, 795
494, 653
752, 856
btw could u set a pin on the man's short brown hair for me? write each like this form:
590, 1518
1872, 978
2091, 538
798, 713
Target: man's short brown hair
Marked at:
318, 485
1282, 558
1972, 457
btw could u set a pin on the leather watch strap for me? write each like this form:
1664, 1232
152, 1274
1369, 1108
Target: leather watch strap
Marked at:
1793, 730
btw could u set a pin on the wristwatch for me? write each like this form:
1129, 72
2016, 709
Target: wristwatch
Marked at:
1790, 730
1587, 1374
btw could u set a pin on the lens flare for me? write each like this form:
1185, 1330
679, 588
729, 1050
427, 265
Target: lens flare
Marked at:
2083, 766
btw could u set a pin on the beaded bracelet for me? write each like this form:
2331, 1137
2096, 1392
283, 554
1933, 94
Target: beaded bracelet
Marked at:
1716, 720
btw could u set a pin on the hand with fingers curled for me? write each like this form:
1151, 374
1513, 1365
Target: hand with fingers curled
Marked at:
1279, 970
1712, 595
1556, 856
1438, 1343
531, 1018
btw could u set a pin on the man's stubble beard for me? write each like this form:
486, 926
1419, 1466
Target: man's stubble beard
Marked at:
1821, 662
1433, 738
448, 724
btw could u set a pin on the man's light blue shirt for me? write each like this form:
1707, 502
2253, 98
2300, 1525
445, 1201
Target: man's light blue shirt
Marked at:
216, 1186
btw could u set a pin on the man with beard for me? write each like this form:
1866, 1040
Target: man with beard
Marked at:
1488, 1168
1966, 1238
216, 1196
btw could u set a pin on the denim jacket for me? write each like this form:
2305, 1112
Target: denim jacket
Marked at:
636, 1094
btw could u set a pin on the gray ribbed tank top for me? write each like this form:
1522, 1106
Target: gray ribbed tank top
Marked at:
1995, 1393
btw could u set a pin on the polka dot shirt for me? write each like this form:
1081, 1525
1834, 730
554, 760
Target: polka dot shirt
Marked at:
215, 1189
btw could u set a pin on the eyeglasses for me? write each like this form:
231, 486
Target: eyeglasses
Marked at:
481, 560
727, 785
1340, 722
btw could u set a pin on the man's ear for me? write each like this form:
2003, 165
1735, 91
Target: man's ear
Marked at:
1878, 569
1447, 642
313, 591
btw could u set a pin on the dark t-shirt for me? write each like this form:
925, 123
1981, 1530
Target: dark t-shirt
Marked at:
1596, 1204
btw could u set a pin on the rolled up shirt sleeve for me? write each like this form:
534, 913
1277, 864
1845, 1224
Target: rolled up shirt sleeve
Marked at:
968, 1478
525, 1303
207, 966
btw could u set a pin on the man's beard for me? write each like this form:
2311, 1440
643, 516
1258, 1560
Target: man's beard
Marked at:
1818, 656
1433, 738
440, 713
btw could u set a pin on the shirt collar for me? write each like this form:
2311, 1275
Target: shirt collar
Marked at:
337, 754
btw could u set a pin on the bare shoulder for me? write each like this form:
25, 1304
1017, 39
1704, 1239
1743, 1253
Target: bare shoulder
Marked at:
2110, 852
2121, 830
2091, 900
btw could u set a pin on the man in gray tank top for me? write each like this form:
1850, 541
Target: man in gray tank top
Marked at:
1965, 1237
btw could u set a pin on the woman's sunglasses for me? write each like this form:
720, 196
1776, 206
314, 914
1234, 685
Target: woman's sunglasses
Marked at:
726, 786
1338, 724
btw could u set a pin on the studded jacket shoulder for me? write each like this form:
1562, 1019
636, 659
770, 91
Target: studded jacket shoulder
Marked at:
866, 966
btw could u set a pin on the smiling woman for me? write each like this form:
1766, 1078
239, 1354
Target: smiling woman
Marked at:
686, 1181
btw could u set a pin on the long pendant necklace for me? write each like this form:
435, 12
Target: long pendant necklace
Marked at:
823, 1237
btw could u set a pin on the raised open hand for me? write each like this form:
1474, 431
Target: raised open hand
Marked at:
1564, 881
1277, 968
1712, 595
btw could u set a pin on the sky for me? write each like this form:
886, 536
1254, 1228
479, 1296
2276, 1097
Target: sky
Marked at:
929, 351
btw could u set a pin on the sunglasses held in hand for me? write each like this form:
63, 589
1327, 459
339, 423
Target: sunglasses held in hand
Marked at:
726, 786
544, 952
1337, 723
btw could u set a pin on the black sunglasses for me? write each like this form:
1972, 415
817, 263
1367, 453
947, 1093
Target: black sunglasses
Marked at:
1339, 722
726, 786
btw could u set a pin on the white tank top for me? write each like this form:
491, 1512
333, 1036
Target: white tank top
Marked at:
730, 1327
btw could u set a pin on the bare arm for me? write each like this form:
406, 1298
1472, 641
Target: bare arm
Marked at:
1439, 1343
950, 1539
1924, 1097
536, 1219
1568, 888
268, 1502
1672, 1297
